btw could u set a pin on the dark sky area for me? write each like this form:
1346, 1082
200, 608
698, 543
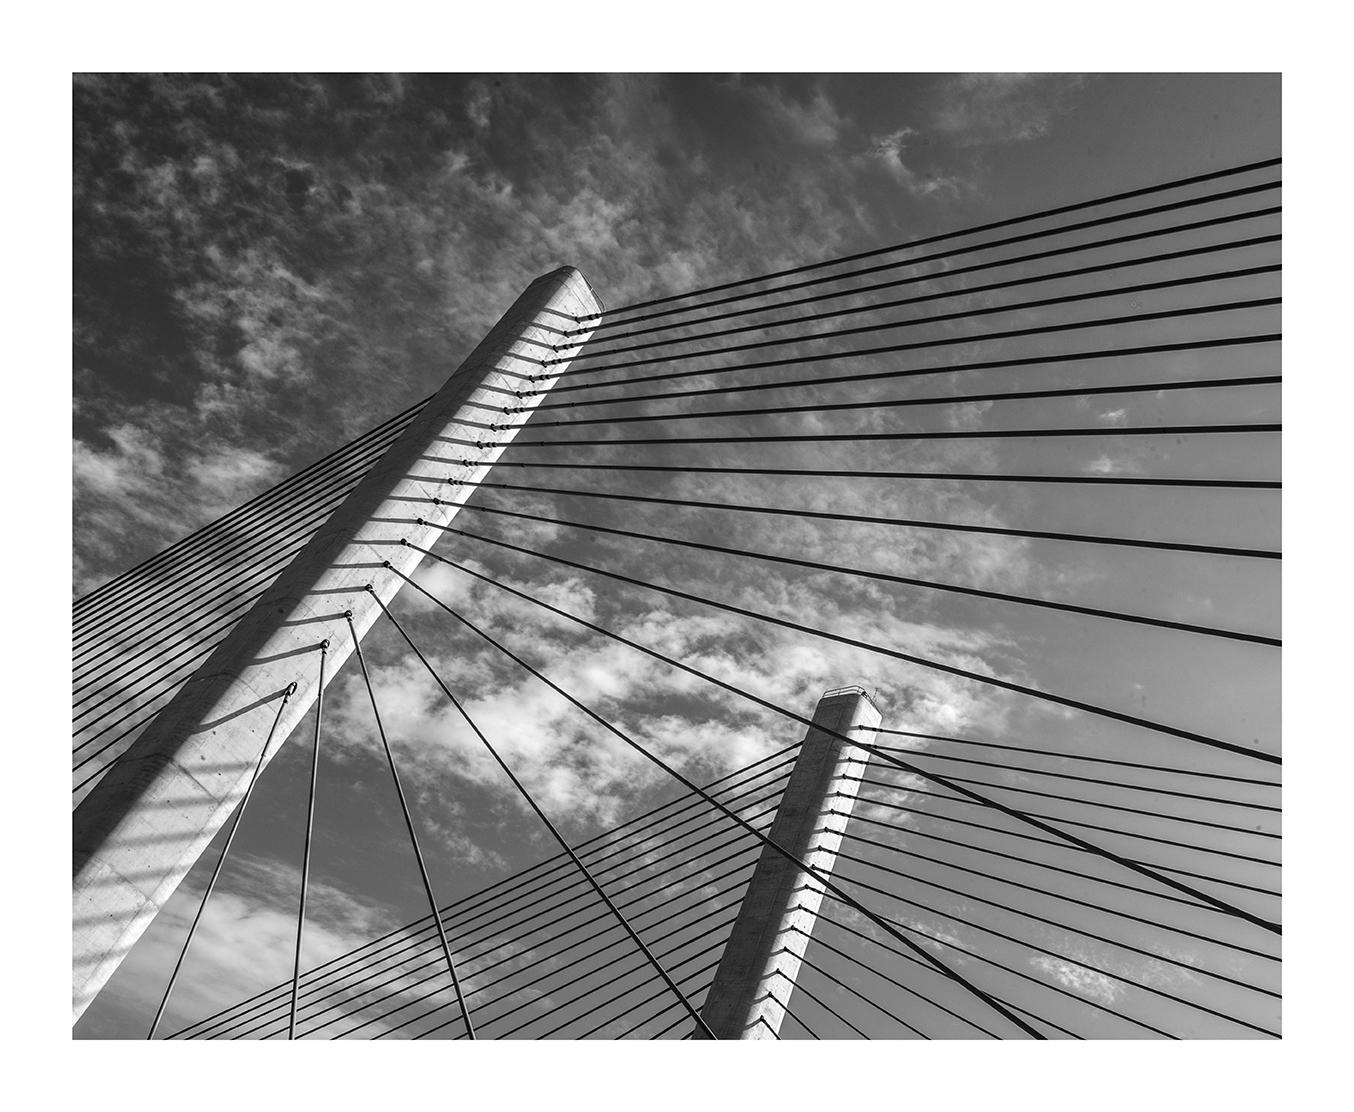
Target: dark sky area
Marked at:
265, 267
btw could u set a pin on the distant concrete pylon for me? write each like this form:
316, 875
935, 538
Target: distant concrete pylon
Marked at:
146, 822
761, 962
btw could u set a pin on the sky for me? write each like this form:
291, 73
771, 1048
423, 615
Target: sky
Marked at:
266, 267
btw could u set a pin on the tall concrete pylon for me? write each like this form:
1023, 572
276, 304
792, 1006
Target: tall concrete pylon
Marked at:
148, 820
761, 961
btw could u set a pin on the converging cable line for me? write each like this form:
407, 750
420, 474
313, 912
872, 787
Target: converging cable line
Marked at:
886, 756
220, 861
904, 403
526, 795
1220, 342
817, 876
959, 271
951, 669
1179, 312
902, 522
973, 230
692, 787
409, 825
883, 577
916, 322
616, 846
937, 476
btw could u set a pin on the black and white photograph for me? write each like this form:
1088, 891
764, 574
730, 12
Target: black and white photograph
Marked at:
583, 552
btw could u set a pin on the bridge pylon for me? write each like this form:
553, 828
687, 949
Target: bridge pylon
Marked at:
142, 827
762, 959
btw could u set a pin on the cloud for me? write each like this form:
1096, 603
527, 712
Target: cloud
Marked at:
979, 109
815, 123
887, 151
1079, 979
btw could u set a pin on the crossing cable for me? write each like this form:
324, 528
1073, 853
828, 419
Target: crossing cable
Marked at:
613, 1019
1054, 895
934, 777
648, 821
310, 829
954, 272
908, 403
162, 629
184, 580
671, 929
1061, 869
1087, 779
224, 542
1249, 831
691, 787
1050, 922
884, 577
662, 992
348, 990
998, 965
990, 226
247, 510
527, 1023
1114, 830
910, 658
878, 376
220, 861
874, 519
396, 946
874, 970
1179, 282
148, 673
949, 476
288, 528
1050, 953
578, 861
1063, 845
667, 1007
1063, 756
616, 996
534, 990
409, 824
917, 345
668, 934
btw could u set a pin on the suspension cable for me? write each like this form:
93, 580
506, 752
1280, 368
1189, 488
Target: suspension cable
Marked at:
934, 777
1060, 869
873, 519
906, 403
649, 821
951, 669
578, 861
690, 786
973, 230
917, 322
175, 549
1056, 359
409, 823
954, 272
1231, 829
1053, 895
950, 476
310, 829
917, 345
884, 577
220, 861
1063, 756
